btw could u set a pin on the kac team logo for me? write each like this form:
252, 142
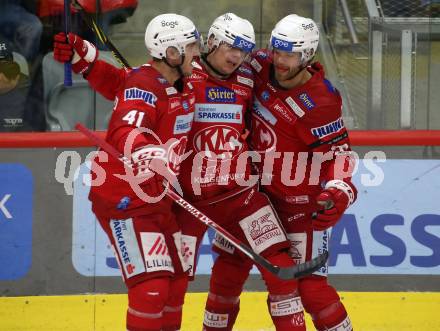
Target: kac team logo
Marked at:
264, 138
218, 141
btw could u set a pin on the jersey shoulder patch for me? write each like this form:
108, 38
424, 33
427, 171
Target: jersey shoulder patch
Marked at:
263, 54
260, 61
245, 70
320, 93
147, 85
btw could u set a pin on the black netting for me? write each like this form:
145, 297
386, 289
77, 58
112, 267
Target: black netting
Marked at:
410, 8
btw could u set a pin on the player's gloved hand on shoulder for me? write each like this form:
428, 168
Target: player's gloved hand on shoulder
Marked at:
336, 197
74, 49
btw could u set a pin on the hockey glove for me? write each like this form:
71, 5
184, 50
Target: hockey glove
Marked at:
336, 197
80, 52
149, 164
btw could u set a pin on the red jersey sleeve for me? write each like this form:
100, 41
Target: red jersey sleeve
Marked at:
106, 79
137, 106
322, 129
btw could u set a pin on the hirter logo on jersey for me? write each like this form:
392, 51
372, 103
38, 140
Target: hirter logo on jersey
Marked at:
220, 94
307, 101
137, 94
222, 140
328, 129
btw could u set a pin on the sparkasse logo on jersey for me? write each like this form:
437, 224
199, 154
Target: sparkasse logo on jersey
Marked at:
125, 241
183, 123
218, 113
138, 94
220, 94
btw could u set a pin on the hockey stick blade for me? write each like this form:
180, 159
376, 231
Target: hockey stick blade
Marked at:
284, 273
303, 269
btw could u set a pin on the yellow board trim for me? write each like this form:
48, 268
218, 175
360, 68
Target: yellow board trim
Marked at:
368, 311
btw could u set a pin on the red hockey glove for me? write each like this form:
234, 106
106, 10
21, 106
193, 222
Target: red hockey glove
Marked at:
149, 165
80, 52
335, 199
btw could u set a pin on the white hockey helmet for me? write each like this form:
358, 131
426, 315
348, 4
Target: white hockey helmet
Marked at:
169, 30
296, 34
234, 31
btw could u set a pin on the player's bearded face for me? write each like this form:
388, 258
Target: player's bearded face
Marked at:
286, 64
226, 58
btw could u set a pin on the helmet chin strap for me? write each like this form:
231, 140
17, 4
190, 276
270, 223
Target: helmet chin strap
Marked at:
178, 66
204, 58
178, 84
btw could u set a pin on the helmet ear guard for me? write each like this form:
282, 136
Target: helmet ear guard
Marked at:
295, 33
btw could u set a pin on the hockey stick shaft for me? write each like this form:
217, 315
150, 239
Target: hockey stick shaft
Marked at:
67, 65
285, 273
93, 25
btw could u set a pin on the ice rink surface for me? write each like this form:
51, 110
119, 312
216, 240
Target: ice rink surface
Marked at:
384, 311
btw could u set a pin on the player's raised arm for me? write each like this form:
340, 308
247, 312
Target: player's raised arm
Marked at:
103, 77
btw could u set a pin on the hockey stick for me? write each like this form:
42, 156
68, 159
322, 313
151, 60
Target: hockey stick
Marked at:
67, 65
285, 273
91, 22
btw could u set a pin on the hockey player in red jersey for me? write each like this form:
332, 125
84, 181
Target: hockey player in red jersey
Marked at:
306, 169
153, 113
223, 96
215, 179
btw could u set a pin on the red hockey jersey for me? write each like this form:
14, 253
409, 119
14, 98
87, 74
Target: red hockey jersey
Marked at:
216, 138
293, 129
144, 100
